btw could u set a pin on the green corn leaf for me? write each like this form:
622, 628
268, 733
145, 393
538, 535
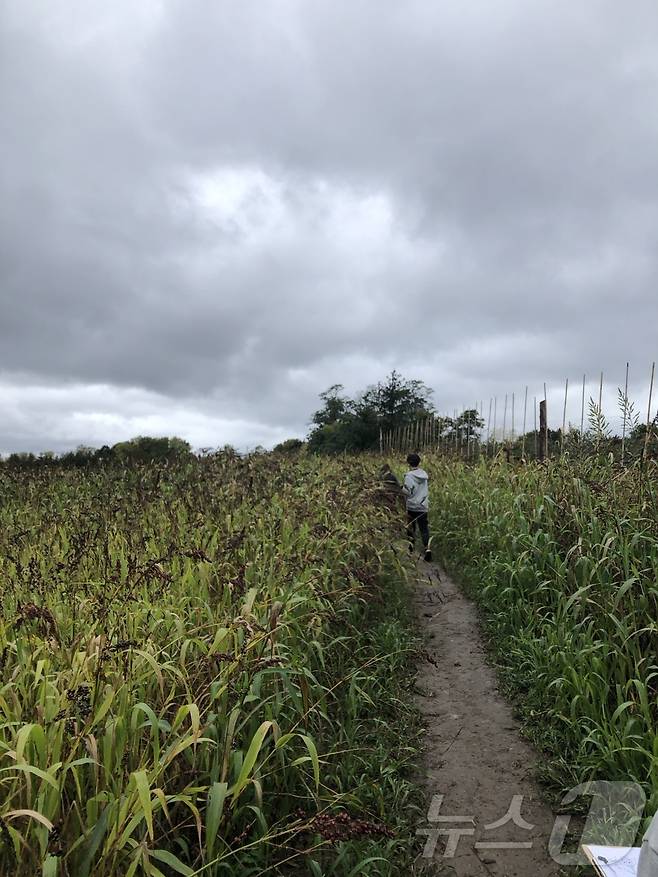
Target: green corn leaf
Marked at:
250, 760
172, 861
214, 811
313, 752
46, 776
94, 843
144, 793
50, 867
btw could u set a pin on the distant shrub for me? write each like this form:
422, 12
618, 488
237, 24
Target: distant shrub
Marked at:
289, 446
144, 449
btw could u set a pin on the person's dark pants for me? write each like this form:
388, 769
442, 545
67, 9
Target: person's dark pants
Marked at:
418, 519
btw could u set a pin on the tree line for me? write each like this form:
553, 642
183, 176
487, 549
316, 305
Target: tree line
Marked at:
142, 449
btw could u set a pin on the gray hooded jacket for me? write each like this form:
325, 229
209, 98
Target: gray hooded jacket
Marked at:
416, 489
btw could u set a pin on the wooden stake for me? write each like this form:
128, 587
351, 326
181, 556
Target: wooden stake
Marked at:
512, 418
460, 432
564, 416
543, 434
525, 405
474, 430
601, 393
489, 423
543, 429
646, 435
598, 436
582, 412
545, 438
495, 423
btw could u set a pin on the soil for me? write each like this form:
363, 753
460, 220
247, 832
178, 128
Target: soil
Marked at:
475, 756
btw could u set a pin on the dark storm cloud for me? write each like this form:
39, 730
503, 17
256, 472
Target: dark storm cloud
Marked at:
222, 207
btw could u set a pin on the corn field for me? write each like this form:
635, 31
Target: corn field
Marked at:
190, 658
563, 560
205, 665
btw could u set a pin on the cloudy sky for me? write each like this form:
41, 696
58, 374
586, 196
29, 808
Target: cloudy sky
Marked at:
210, 211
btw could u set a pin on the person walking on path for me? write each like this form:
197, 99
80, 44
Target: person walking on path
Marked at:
416, 491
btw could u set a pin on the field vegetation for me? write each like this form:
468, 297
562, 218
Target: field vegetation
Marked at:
205, 661
563, 560
203, 670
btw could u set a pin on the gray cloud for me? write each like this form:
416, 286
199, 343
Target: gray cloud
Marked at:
218, 209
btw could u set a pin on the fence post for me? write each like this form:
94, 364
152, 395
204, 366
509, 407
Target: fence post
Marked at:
649, 420
489, 426
543, 431
513, 432
564, 416
495, 424
505, 420
525, 406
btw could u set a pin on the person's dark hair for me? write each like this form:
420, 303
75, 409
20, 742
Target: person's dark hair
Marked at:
413, 459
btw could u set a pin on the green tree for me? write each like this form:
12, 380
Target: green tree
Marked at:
335, 408
396, 401
468, 424
143, 449
344, 424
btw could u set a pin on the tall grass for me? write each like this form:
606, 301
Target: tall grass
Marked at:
563, 560
186, 686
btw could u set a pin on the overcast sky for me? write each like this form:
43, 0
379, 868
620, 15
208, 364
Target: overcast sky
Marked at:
210, 211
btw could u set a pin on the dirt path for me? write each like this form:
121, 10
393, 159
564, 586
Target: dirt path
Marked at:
474, 757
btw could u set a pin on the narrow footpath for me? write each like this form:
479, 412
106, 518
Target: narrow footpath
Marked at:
475, 757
